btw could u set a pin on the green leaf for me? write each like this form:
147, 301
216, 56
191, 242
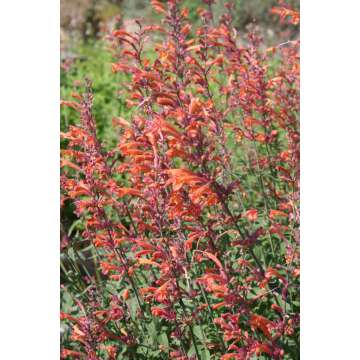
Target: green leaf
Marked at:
198, 332
163, 339
73, 226
191, 351
151, 329
133, 305
205, 354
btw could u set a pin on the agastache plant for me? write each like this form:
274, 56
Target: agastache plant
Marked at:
193, 217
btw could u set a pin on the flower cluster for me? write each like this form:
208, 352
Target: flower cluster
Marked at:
193, 217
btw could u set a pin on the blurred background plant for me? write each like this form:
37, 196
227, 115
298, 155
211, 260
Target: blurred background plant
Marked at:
86, 19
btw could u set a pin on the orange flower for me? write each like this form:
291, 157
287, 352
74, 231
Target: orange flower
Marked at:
251, 214
163, 313
262, 323
277, 213
65, 353
195, 106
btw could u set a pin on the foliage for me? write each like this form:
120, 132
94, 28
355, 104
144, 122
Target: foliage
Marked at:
92, 61
186, 239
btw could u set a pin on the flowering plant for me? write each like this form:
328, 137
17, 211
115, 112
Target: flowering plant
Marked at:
193, 217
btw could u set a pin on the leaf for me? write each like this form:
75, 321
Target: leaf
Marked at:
151, 330
133, 306
205, 354
74, 226
198, 333
192, 351
163, 340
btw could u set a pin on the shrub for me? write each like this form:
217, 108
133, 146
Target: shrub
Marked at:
191, 221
